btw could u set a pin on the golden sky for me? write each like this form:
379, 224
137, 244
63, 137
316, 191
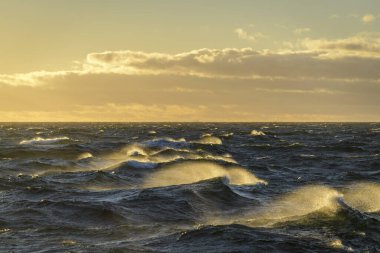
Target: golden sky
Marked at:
209, 60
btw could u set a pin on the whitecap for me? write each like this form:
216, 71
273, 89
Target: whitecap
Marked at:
165, 142
307, 200
363, 196
227, 134
307, 156
296, 204
42, 141
257, 133
191, 172
84, 155
212, 140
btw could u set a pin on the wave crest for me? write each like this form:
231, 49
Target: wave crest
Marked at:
84, 155
257, 133
363, 196
304, 201
191, 172
207, 139
40, 140
301, 202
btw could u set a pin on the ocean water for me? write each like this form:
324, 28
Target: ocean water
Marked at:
179, 187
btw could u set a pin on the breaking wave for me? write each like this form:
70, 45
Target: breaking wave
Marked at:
85, 155
293, 205
191, 172
208, 139
363, 196
307, 200
40, 140
135, 190
257, 133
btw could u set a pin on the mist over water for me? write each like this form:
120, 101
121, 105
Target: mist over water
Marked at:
190, 187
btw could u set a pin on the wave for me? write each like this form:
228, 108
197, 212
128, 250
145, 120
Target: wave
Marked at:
141, 165
293, 205
191, 172
133, 150
208, 139
168, 142
307, 156
257, 133
85, 155
338, 244
227, 134
166, 150
169, 155
165, 142
375, 130
148, 154
42, 141
313, 199
363, 196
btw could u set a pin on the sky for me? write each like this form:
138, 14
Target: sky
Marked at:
199, 60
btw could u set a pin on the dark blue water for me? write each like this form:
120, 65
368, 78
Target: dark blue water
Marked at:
190, 187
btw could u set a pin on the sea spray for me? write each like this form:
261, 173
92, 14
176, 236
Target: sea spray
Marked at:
191, 172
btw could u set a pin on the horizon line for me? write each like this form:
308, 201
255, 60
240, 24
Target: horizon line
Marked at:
188, 122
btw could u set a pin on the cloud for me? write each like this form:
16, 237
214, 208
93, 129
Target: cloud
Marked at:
299, 91
301, 30
109, 112
349, 59
33, 78
360, 45
368, 18
180, 89
333, 79
168, 113
119, 97
244, 35
360, 62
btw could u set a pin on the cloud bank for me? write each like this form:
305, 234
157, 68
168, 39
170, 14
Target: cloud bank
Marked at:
314, 80
352, 58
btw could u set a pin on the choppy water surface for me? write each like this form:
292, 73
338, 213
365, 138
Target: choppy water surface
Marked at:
190, 187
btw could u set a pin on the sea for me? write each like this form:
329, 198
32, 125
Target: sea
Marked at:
190, 187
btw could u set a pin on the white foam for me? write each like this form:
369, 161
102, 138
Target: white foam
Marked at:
164, 142
185, 154
131, 150
191, 172
209, 140
307, 156
257, 133
227, 134
40, 140
84, 155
